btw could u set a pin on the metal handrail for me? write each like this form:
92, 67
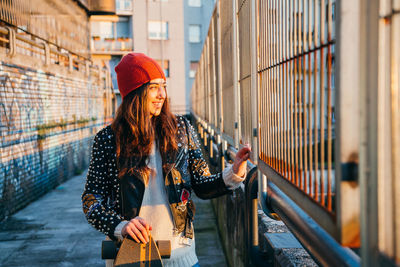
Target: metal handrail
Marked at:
34, 43
321, 246
251, 219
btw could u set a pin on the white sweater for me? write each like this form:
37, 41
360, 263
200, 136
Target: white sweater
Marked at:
155, 210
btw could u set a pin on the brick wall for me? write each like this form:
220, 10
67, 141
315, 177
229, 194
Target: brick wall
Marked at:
48, 117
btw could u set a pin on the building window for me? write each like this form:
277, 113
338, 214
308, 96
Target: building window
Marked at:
194, 33
194, 3
123, 5
158, 30
164, 66
193, 68
104, 29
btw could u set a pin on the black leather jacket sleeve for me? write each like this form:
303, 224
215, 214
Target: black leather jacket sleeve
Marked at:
204, 184
96, 195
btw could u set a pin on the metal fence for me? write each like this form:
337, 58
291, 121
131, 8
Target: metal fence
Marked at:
296, 51
294, 79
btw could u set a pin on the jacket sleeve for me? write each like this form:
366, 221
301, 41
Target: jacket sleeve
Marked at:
97, 193
204, 184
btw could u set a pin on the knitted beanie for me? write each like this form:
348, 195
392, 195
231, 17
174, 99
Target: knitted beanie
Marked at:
134, 70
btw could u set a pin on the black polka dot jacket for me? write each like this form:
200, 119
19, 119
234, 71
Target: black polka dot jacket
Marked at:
107, 199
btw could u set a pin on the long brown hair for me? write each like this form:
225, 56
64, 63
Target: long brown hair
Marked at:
135, 133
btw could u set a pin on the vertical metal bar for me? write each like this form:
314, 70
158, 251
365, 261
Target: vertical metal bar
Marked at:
310, 124
235, 55
278, 85
219, 58
287, 106
279, 82
287, 22
322, 102
266, 77
304, 147
274, 113
291, 121
295, 115
300, 92
299, 26
261, 34
329, 103
281, 157
254, 87
315, 102
263, 126
300, 107
395, 124
296, 134
273, 125
282, 90
289, 85
287, 56
369, 121
386, 242
207, 76
265, 105
270, 111
273, 37
295, 81
284, 119
290, 19
269, 33
265, 21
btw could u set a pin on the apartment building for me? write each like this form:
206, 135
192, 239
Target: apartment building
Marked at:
170, 31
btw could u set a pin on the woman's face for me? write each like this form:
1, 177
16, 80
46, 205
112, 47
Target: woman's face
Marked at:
156, 96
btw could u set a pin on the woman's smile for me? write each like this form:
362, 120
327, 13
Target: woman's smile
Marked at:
158, 104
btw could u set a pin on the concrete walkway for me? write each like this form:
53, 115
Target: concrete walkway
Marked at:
53, 231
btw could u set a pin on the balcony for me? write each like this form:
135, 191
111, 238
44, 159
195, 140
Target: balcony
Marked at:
111, 45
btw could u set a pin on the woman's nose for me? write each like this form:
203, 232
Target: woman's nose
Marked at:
161, 92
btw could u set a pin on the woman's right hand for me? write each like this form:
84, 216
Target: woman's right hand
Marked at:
138, 229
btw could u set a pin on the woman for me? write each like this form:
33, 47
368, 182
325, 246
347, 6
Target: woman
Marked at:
146, 164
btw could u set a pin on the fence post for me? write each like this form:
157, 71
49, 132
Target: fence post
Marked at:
235, 51
347, 122
46, 53
254, 87
368, 166
11, 42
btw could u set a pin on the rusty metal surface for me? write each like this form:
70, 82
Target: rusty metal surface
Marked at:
296, 76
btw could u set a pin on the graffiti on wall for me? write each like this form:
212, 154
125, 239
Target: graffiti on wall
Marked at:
47, 122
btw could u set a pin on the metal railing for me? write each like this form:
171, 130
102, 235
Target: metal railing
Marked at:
296, 95
291, 77
277, 205
59, 23
102, 45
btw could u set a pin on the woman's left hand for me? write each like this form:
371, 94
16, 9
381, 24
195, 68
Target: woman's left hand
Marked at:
240, 164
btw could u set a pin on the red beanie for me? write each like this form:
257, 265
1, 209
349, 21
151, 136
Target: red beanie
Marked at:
134, 70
